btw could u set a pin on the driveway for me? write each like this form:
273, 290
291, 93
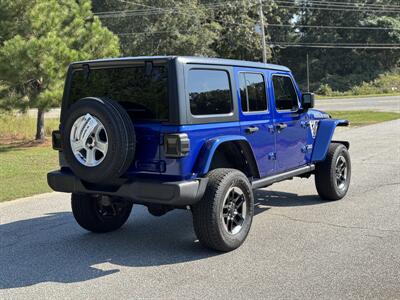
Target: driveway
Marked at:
299, 246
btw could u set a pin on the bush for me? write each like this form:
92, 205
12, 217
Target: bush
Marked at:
324, 90
387, 83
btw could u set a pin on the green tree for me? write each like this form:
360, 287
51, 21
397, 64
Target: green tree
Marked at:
35, 54
344, 68
229, 29
161, 27
240, 37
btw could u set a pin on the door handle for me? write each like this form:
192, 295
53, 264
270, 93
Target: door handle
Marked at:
252, 129
281, 126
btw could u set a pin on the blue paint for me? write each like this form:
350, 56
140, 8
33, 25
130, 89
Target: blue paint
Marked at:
325, 132
261, 142
203, 163
273, 151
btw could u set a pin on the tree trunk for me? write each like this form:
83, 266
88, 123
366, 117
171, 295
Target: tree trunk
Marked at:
40, 125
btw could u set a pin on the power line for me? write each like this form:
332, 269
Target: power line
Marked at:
127, 14
158, 8
336, 8
336, 45
154, 9
287, 4
354, 4
320, 3
334, 27
347, 45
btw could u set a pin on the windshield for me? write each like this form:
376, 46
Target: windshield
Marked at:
145, 97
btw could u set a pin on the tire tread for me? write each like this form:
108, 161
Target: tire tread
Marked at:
205, 212
324, 172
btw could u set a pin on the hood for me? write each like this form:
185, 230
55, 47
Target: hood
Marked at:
315, 114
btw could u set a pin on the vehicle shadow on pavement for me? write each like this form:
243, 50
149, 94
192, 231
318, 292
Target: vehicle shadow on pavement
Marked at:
264, 200
53, 248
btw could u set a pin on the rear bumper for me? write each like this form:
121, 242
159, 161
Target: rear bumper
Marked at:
180, 193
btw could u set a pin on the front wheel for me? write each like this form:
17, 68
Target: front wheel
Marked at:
100, 213
332, 176
223, 217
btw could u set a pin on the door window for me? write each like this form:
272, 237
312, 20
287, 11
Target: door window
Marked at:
252, 92
285, 93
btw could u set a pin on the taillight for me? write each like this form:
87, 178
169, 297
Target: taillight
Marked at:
176, 144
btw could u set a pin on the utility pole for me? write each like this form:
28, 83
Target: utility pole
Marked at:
264, 45
308, 75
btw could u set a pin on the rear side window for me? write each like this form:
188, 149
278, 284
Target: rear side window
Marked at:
209, 92
285, 94
252, 92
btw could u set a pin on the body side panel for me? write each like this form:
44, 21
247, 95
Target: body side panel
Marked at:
292, 148
326, 128
262, 142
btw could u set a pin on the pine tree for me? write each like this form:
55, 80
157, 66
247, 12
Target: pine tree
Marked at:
35, 53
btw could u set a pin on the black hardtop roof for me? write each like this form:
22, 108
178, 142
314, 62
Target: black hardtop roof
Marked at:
194, 60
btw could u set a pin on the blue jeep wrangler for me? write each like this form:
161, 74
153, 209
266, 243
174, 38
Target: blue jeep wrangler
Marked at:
192, 133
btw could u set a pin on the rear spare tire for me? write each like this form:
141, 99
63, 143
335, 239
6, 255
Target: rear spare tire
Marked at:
98, 139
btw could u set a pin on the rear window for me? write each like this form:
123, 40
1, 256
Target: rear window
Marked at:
144, 96
209, 92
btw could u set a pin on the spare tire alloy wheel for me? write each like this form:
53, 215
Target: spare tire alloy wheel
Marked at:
89, 141
98, 140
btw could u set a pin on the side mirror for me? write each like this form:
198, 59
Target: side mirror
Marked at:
307, 101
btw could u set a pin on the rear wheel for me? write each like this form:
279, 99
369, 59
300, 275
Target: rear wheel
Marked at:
222, 219
99, 213
332, 176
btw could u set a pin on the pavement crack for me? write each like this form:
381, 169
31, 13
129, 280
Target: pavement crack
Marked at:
334, 225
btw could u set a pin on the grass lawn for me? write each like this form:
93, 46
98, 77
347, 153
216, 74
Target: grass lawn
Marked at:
360, 118
23, 170
15, 128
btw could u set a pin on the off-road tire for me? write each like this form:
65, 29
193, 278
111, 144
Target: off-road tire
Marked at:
86, 212
325, 173
207, 221
120, 133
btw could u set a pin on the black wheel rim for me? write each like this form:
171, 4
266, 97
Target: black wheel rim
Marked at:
341, 171
108, 208
234, 210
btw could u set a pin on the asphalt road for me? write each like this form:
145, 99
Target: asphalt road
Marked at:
389, 103
298, 247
